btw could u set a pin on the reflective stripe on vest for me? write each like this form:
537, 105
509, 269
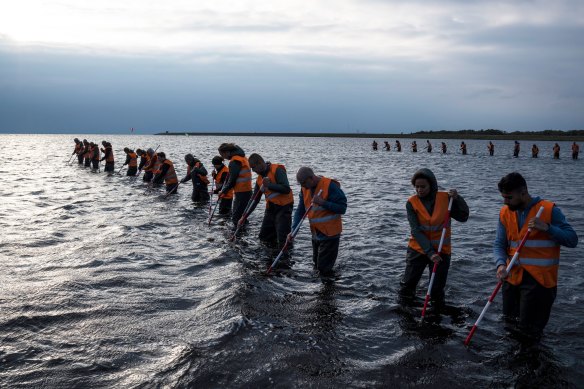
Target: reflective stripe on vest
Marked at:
534, 243
243, 181
321, 219
431, 226
275, 197
540, 256
539, 261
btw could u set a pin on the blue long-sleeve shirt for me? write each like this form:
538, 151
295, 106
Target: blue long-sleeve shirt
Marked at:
560, 231
336, 202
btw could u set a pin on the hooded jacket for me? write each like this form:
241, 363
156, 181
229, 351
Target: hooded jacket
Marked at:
459, 212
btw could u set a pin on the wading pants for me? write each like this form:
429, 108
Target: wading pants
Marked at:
416, 263
529, 303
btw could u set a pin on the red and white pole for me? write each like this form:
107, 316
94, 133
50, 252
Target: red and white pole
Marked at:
433, 276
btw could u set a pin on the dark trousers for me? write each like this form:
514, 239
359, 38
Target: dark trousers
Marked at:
491, 152
132, 170
516, 153
87, 162
528, 304
147, 176
225, 206
416, 263
324, 255
574, 155
171, 187
80, 159
277, 224
200, 193
95, 163
240, 200
109, 167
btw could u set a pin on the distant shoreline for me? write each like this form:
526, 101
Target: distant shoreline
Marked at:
435, 135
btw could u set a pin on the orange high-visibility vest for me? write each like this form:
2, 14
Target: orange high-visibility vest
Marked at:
95, 155
77, 148
321, 219
431, 225
271, 196
243, 182
540, 256
203, 178
170, 176
133, 160
218, 178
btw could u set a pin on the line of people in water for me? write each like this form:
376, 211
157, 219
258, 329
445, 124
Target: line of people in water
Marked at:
321, 200
490, 148
529, 288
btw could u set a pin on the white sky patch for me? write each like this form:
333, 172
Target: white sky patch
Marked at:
377, 29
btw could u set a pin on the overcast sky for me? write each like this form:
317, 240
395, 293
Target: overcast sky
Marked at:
290, 65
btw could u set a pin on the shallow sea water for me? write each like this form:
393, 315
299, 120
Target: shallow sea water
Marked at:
102, 285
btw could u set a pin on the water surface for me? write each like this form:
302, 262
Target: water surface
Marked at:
103, 285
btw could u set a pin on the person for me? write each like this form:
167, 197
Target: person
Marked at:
414, 147
374, 144
86, 153
152, 165
272, 180
143, 159
80, 150
324, 217
463, 148
428, 146
387, 146
398, 145
443, 148
239, 179
167, 173
575, 150
534, 151
108, 156
491, 148
426, 212
131, 161
516, 149
556, 151
197, 173
77, 149
220, 175
529, 290
94, 155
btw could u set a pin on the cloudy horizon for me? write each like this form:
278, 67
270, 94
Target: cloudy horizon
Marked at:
309, 66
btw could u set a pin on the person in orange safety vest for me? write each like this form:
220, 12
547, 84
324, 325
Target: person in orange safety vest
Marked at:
272, 180
220, 175
167, 173
131, 161
239, 179
426, 212
197, 173
530, 288
324, 217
